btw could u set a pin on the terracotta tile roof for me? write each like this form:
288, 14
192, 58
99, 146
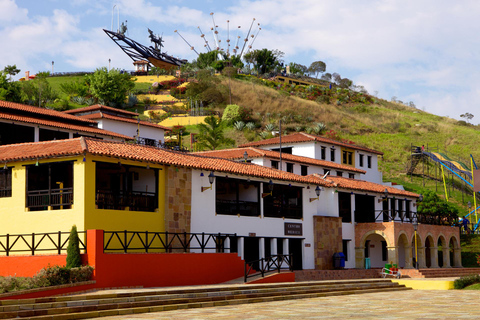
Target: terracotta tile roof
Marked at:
303, 137
18, 108
100, 107
101, 115
78, 146
62, 125
82, 145
237, 153
360, 185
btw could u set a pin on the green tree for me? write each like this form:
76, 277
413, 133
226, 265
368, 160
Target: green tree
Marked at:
297, 69
38, 91
109, 87
211, 134
74, 259
264, 60
9, 91
434, 209
11, 70
317, 67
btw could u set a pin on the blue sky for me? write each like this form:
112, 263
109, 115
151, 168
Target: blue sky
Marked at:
424, 51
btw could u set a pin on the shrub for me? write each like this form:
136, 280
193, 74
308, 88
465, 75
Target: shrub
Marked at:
74, 259
231, 113
250, 125
132, 100
239, 125
466, 281
81, 274
270, 127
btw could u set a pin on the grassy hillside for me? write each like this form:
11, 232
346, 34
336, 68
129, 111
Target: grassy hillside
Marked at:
386, 126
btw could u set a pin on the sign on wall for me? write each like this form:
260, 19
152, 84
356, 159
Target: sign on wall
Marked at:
293, 229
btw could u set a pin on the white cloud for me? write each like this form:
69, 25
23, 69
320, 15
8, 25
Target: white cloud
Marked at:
10, 12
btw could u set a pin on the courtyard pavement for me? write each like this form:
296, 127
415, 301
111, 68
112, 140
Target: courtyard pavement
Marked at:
410, 304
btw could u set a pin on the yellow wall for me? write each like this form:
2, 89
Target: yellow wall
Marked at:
15, 219
154, 78
343, 149
119, 220
182, 121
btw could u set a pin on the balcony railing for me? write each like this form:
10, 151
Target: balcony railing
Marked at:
157, 144
120, 200
233, 207
5, 193
145, 241
53, 198
38, 242
286, 211
404, 216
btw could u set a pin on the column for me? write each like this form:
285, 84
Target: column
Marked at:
392, 255
261, 248
226, 245
446, 257
273, 246
421, 257
241, 248
457, 257
359, 257
408, 258
434, 257
286, 252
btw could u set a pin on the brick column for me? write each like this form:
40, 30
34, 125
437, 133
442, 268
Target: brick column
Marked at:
408, 258
457, 257
359, 258
392, 255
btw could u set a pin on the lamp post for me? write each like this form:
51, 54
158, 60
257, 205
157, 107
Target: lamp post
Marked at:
211, 179
270, 187
52, 67
109, 60
317, 192
415, 226
245, 156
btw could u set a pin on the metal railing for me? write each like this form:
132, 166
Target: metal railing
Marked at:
55, 198
37, 242
144, 241
119, 200
283, 211
5, 193
269, 264
404, 217
234, 207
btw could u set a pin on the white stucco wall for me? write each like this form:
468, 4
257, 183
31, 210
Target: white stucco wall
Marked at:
130, 129
204, 218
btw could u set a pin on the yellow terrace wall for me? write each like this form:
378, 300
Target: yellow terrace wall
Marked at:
119, 220
16, 219
182, 121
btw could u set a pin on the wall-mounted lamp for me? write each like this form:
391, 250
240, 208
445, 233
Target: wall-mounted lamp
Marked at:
211, 179
245, 156
36, 163
270, 187
317, 192
385, 196
420, 199
5, 168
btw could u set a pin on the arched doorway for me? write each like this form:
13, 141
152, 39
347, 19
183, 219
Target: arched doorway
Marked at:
430, 254
418, 257
404, 252
455, 253
376, 250
443, 252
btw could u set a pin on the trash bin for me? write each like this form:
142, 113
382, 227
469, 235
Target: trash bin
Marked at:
367, 263
339, 260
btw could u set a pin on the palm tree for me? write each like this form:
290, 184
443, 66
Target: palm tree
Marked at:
211, 134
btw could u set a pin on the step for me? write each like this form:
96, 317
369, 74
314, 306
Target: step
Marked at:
86, 306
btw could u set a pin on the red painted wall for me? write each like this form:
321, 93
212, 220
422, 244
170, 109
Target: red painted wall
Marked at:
275, 278
137, 269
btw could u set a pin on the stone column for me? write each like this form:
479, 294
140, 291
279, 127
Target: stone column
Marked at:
421, 258
226, 245
392, 255
434, 257
446, 257
457, 257
274, 247
408, 258
261, 248
359, 257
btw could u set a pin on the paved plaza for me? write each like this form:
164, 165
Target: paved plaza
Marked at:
411, 305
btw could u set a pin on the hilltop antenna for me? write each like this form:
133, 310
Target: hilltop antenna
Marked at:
191, 47
204, 39
246, 38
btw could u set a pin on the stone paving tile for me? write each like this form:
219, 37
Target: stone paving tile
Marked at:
402, 305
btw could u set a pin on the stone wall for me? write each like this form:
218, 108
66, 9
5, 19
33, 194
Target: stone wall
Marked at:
314, 275
328, 240
178, 204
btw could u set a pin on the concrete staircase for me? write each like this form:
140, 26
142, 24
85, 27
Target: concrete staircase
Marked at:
448, 272
102, 304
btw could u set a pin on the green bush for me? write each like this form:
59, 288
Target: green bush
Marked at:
74, 259
232, 113
466, 281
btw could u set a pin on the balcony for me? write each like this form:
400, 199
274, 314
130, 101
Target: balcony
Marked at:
233, 207
53, 199
119, 200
